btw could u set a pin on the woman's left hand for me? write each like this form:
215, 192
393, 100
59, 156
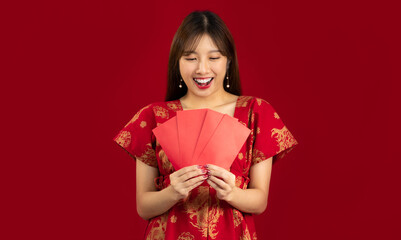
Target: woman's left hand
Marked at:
222, 181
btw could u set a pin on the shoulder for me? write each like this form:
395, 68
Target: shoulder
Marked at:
261, 102
159, 106
159, 111
252, 102
165, 110
258, 107
144, 113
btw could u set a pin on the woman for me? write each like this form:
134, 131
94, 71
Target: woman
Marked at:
204, 202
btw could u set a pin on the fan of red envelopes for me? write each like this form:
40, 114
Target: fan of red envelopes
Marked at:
201, 136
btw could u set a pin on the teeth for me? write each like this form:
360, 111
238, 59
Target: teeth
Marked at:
202, 80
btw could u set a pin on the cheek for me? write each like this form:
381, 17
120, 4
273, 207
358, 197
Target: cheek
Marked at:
221, 67
181, 66
186, 68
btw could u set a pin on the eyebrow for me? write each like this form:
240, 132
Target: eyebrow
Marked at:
190, 52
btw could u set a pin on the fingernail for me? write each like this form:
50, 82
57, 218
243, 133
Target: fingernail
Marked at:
200, 166
205, 176
205, 166
208, 172
204, 171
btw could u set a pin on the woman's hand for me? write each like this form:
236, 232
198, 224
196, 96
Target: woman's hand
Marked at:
186, 179
222, 181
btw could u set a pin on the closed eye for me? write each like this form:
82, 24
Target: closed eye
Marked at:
193, 59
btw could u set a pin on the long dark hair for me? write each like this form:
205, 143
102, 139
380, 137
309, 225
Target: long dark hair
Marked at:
187, 37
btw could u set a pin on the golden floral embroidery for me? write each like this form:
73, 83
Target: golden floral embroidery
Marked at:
257, 130
258, 156
242, 122
173, 106
238, 181
173, 219
243, 101
254, 237
240, 156
143, 124
186, 236
284, 138
248, 159
201, 216
259, 101
167, 166
215, 213
158, 227
238, 218
149, 157
136, 116
161, 112
252, 119
249, 155
197, 208
276, 115
245, 234
124, 139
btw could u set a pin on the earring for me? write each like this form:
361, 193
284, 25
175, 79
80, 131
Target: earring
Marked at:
228, 85
180, 86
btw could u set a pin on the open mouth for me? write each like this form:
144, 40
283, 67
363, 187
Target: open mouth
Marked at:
203, 81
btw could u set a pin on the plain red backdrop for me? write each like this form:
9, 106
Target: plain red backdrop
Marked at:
75, 72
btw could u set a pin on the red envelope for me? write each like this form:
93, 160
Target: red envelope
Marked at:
190, 122
212, 120
201, 136
225, 143
167, 135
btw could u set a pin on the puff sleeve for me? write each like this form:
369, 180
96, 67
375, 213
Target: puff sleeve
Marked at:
271, 137
137, 138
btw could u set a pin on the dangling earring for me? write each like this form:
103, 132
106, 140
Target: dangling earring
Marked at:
180, 86
228, 85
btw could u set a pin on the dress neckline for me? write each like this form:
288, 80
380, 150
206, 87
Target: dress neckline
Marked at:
235, 109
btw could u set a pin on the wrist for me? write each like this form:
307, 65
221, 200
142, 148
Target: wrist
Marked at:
233, 195
174, 196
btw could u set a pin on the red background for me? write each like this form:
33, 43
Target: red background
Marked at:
75, 72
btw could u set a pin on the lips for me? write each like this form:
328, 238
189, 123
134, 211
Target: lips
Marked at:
203, 81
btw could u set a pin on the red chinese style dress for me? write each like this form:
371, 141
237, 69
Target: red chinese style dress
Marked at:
202, 215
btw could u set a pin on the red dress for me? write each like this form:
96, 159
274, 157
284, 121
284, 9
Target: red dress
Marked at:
202, 215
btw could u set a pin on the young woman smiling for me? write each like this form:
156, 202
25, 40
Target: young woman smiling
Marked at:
204, 202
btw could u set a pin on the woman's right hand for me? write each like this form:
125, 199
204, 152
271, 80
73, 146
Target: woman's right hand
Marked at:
186, 179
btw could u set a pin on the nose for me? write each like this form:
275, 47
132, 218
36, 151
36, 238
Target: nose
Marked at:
203, 67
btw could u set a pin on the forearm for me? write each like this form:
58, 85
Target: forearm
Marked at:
248, 200
155, 203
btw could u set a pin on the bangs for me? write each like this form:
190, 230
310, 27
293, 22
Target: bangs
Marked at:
193, 41
191, 44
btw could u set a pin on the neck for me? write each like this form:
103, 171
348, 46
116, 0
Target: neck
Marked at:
195, 102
